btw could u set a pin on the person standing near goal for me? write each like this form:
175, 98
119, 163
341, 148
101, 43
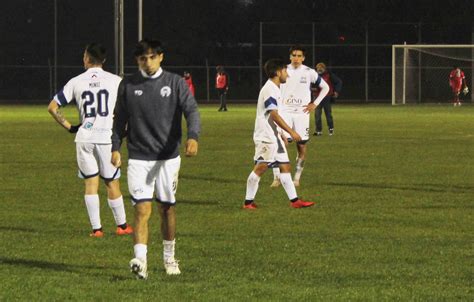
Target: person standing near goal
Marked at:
457, 80
270, 148
95, 92
149, 111
296, 105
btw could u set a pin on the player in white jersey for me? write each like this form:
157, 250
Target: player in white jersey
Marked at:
297, 104
95, 94
270, 147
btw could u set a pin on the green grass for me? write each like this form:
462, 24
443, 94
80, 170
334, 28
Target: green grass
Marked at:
393, 221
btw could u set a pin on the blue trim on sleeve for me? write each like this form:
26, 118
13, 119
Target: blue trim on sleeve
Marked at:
270, 101
318, 81
62, 99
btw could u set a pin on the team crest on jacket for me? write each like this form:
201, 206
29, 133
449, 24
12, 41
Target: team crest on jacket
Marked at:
165, 91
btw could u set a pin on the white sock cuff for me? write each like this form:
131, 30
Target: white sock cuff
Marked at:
168, 242
254, 176
113, 203
140, 251
91, 198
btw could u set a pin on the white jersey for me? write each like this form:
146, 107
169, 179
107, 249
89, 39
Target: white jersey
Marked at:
296, 92
268, 100
95, 93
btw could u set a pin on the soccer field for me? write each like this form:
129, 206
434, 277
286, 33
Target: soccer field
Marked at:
393, 221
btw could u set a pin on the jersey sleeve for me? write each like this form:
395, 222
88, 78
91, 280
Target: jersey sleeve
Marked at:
270, 102
65, 95
315, 78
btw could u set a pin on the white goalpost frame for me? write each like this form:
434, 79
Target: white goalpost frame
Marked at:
405, 48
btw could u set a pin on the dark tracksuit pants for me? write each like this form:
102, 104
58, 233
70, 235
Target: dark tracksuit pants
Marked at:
223, 98
326, 105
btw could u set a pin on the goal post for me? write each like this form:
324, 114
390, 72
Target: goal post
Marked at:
420, 73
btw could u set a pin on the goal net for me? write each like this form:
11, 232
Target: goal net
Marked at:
420, 73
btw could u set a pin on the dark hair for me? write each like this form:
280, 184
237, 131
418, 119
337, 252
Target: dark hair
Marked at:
96, 52
297, 47
145, 45
272, 66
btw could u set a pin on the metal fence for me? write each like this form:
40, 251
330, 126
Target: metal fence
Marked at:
358, 53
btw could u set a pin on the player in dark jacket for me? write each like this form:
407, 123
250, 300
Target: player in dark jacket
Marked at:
335, 86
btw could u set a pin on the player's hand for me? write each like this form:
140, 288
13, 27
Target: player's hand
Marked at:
74, 129
191, 147
335, 95
116, 159
309, 108
295, 136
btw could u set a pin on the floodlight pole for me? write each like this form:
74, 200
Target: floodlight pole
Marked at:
119, 34
140, 20
55, 63
260, 55
405, 53
393, 75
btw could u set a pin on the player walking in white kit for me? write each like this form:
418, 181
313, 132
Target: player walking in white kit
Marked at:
95, 93
296, 105
270, 148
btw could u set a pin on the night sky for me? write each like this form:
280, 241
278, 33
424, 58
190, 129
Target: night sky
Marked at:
220, 31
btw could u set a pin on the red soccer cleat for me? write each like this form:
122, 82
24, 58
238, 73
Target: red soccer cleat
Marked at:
97, 234
127, 231
250, 206
301, 204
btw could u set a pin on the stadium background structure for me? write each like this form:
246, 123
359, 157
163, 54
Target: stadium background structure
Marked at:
358, 48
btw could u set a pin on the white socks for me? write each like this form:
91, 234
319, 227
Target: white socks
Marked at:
140, 251
116, 205
93, 209
299, 168
168, 250
288, 185
276, 173
252, 186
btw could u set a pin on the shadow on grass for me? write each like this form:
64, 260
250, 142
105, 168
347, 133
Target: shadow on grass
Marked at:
18, 229
40, 264
206, 178
198, 202
49, 265
437, 188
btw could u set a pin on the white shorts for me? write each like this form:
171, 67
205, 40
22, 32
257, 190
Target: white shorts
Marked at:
95, 159
271, 153
148, 176
298, 122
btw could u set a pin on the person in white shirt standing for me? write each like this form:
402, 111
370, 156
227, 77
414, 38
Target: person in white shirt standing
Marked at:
95, 94
296, 105
270, 150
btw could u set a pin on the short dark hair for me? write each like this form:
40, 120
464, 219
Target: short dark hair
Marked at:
272, 66
96, 52
147, 44
297, 47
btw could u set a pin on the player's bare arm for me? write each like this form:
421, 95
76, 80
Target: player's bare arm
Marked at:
53, 109
191, 147
281, 123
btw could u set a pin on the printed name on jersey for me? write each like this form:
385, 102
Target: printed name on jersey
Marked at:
293, 101
303, 80
138, 92
165, 91
94, 85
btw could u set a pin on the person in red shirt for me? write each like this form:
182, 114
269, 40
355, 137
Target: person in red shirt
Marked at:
189, 80
222, 86
456, 81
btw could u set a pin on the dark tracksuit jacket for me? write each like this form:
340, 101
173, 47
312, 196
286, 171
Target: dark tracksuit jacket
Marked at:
149, 112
